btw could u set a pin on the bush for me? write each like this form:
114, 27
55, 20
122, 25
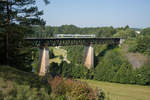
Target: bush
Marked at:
69, 89
58, 86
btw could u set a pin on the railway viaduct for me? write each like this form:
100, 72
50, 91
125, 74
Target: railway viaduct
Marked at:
43, 44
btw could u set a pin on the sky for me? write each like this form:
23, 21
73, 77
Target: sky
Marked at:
97, 13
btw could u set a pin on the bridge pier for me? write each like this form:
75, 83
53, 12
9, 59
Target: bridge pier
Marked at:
44, 60
89, 56
121, 42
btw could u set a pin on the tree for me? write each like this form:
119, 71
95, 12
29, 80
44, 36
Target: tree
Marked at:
124, 74
109, 65
125, 32
143, 75
145, 32
21, 16
143, 45
46, 1
66, 69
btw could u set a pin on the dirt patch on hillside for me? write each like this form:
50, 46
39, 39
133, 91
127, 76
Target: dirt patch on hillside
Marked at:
135, 59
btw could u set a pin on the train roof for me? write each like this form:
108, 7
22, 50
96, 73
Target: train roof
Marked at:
74, 34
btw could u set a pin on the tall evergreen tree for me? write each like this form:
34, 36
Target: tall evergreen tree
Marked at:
16, 19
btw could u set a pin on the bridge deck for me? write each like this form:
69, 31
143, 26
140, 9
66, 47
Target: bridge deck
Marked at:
72, 38
71, 41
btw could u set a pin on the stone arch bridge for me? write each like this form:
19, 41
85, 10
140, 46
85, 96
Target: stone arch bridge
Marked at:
43, 44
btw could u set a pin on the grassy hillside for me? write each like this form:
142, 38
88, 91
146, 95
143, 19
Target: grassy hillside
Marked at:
19, 85
117, 91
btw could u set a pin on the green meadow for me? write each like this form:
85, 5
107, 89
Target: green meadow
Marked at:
115, 91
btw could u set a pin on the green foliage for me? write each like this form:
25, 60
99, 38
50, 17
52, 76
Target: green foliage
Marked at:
22, 15
125, 33
19, 85
35, 62
124, 74
51, 54
24, 93
100, 94
105, 32
66, 69
108, 66
54, 69
132, 45
145, 32
114, 68
70, 71
142, 75
141, 42
143, 45
75, 54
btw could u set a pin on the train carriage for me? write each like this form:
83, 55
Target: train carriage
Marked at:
74, 36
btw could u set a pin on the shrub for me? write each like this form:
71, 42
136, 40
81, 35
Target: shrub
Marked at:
58, 86
100, 94
69, 89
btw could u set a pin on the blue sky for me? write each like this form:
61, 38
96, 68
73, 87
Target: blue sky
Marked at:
97, 13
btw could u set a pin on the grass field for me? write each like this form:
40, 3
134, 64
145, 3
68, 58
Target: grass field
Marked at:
58, 52
56, 60
117, 91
